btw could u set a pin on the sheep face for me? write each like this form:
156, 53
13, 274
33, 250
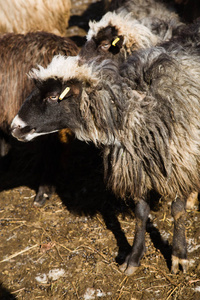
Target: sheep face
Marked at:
68, 95
116, 36
106, 44
49, 108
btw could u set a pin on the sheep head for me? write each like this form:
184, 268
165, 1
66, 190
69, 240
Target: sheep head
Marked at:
69, 95
116, 36
43, 111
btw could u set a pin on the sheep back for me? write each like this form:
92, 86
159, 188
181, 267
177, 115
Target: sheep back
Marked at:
22, 16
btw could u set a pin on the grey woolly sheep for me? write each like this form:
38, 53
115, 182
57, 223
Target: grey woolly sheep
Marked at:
145, 117
134, 25
131, 36
18, 54
22, 16
161, 18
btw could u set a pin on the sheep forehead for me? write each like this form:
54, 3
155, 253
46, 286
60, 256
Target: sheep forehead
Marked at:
132, 30
65, 68
122, 22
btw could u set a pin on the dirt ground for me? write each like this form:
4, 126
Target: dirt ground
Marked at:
71, 247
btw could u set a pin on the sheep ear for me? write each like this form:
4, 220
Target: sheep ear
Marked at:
76, 88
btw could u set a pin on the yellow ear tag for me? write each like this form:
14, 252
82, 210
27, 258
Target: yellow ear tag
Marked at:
115, 41
64, 93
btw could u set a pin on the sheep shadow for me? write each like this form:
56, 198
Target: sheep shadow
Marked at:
78, 180
159, 243
82, 190
5, 294
27, 163
86, 172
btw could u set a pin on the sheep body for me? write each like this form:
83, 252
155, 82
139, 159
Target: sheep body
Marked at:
173, 111
133, 34
141, 9
144, 115
186, 40
22, 16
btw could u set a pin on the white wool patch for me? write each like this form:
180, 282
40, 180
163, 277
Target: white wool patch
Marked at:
65, 67
91, 293
41, 278
131, 29
56, 274
53, 274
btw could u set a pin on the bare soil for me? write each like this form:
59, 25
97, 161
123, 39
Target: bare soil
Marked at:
71, 247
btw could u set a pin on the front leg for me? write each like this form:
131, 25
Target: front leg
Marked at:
44, 193
179, 247
50, 149
132, 260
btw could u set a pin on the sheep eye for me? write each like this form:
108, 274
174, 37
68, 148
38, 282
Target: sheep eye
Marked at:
54, 98
105, 46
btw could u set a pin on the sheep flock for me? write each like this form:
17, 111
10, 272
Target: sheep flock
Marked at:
131, 89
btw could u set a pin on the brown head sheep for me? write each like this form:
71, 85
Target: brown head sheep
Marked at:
134, 25
18, 54
145, 117
22, 16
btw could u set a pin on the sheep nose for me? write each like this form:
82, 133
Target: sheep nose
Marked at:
15, 126
15, 130
17, 123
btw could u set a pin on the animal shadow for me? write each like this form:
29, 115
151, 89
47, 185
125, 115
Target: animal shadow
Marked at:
5, 294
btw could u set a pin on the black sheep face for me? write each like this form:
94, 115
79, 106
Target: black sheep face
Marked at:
106, 44
52, 105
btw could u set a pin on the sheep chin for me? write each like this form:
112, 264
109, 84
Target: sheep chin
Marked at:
32, 134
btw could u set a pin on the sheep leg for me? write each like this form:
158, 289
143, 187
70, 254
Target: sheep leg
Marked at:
50, 149
179, 247
44, 193
132, 261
